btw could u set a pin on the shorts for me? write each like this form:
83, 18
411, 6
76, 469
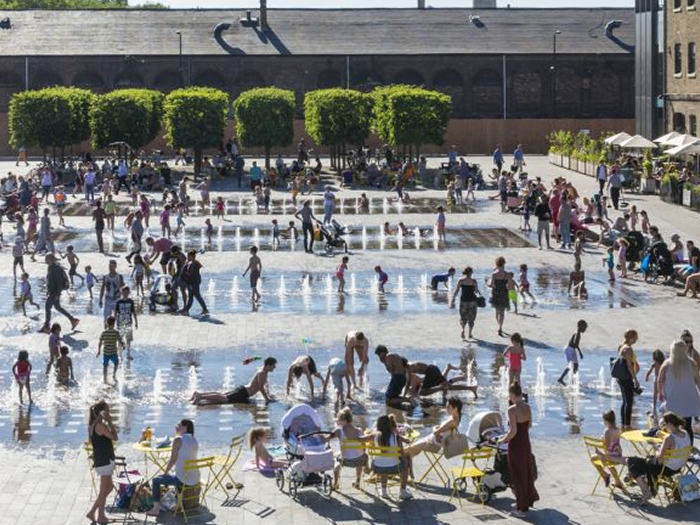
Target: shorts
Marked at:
433, 377
106, 358
525, 287
313, 369
73, 270
254, 277
571, 355
109, 306
434, 283
165, 259
238, 395
338, 370
105, 470
513, 295
127, 333
504, 196
19, 261
23, 379
396, 386
352, 463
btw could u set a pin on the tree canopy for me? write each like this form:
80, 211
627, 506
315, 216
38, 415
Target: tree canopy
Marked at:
410, 116
126, 115
52, 117
195, 118
265, 118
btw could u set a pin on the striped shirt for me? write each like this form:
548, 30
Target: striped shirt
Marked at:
109, 340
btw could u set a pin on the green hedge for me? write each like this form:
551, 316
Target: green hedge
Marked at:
126, 115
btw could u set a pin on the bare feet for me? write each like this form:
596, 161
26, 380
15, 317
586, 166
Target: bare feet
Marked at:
74, 323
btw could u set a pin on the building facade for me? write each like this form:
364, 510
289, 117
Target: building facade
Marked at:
649, 68
511, 72
682, 93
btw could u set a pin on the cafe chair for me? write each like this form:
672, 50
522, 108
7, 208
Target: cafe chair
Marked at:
191, 498
222, 477
124, 481
348, 445
376, 452
603, 466
87, 447
669, 483
474, 464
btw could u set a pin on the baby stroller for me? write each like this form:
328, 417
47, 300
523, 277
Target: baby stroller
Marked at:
161, 292
657, 262
311, 458
332, 234
483, 430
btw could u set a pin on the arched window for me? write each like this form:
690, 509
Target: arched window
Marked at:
409, 76
128, 79
679, 122
328, 78
88, 80
526, 93
487, 93
571, 92
45, 78
167, 80
448, 77
210, 78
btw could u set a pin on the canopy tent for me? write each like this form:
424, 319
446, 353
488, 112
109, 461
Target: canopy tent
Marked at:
685, 149
618, 139
665, 138
681, 140
638, 142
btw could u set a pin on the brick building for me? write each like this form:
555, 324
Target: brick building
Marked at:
682, 93
513, 74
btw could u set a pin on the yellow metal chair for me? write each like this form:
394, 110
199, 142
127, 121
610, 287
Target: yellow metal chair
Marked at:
603, 466
474, 463
190, 498
376, 452
669, 482
87, 447
349, 445
222, 476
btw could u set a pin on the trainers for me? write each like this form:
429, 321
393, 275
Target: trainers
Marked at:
405, 494
385, 493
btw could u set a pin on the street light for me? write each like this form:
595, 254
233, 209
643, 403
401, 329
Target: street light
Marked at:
179, 35
553, 69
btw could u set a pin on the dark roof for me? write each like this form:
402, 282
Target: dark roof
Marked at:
315, 32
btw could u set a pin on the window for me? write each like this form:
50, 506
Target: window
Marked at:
678, 59
691, 58
691, 4
693, 125
679, 122
676, 5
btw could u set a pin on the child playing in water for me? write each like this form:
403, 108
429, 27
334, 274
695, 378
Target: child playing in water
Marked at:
110, 345
612, 452
516, 355
440, 223
64, 367
573, 351
382, 278
275, 234
54, 345
658, 359
604, 231
26, 294
622, 256
512, 287
470, 189
91, 280
578, 246
208, 230
180, 219
340, 274
22, 369
73, 262
220, 208
524, 284
354, 456
257, 438
165, 221
577, 283
609, 262
292, 231
18, 255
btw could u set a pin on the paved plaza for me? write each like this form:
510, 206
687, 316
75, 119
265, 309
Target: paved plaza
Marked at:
45, 477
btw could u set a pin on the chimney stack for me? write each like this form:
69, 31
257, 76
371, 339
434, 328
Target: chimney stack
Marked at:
421, 4
263, 14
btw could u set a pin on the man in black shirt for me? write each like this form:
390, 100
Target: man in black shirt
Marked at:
56, 282
544, 216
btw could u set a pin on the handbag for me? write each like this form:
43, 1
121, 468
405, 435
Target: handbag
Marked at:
454, 444
481, 302
618, 369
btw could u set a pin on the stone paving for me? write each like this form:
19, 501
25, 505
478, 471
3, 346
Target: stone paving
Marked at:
51, 484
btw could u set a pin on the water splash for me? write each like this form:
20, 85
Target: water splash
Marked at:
220, 238
229, 377
364, 238
192, 380
238, 238
158, 387
503, 380
602, 383
541, 380
282, 288
400, 289
575, 384
353, 285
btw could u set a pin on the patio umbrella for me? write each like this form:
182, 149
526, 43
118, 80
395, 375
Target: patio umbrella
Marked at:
616, 140
681, 140
638, 142
665, 138
685, 149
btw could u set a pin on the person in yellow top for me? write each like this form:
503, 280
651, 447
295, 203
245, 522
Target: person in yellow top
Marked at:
59, 198
110, 208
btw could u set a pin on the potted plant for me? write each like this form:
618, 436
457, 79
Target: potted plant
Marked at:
669, 187
648, 181
695, 204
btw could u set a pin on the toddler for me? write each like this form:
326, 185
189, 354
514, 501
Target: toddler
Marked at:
340, 274
275, 234
609, 262
220, 209
138, 273
257, 439
658, 359
512, 291
622, 256
64, 367
22, 369
208, 230
516, 355
26, 293
90, 279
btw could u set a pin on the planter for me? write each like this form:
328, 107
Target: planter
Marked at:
591, 168
687, 197
648, 185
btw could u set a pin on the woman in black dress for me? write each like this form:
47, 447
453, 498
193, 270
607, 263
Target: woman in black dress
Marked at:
499, 292
468, 289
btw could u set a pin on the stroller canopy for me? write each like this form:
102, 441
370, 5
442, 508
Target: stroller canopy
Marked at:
483, 423
301, 410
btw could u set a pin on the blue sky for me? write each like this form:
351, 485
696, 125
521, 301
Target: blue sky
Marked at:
393, 3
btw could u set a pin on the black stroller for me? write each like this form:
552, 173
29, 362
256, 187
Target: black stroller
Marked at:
636, 249
484, 429
333, 234
658, 262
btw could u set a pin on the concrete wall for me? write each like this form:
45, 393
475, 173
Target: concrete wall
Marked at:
471, 136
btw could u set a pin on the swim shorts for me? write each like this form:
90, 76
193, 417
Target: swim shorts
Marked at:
238, 395
433, 377
396, 386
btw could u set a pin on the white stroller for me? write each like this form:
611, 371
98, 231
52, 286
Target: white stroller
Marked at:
312, 458
483, 430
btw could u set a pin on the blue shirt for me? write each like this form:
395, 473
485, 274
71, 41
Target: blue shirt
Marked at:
441, 278
518, 154
497, 156
382, 277
255, 173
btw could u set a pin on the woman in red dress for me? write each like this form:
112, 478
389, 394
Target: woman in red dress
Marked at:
521, 462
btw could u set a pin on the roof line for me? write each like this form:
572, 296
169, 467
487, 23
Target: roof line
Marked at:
320, 9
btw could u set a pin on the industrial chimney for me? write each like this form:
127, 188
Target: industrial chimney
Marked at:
421, 4
263, 14
484, 4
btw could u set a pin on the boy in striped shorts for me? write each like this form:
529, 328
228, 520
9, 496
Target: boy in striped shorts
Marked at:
110, 344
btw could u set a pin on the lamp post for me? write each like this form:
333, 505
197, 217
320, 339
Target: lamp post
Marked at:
553, 69
179, 36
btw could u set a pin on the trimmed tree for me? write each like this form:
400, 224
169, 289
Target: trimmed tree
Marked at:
409, 116
336, 117
195, 118
265, 118
53, 117
126, 115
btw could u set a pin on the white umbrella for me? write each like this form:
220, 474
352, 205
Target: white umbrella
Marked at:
681, 140
665, 138
638, 142
616, 140
685, 149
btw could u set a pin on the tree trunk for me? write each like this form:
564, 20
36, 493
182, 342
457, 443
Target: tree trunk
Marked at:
197, 161
267, 157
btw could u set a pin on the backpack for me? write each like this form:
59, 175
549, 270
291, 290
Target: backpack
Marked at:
63, 279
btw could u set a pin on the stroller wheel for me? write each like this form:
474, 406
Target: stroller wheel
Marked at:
293, 488
462, 485
484, 494
327, 487
329, 248
279, 479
